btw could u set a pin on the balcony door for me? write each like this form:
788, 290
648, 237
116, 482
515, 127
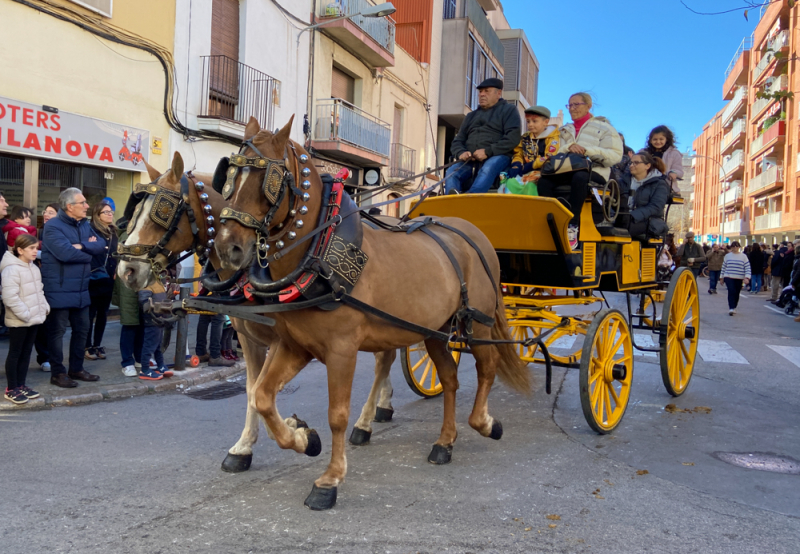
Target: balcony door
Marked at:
223, 67
343, 86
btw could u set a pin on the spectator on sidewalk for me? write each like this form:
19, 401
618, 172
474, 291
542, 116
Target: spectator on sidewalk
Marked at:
212, 353
151, 346
715, 259
691, 254
131, 335
26, 310
735, 272
776, 268
67, 251
19, 224
787, 265
42, 354
3, 249
756, 257
101, 281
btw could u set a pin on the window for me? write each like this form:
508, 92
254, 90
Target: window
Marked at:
12, 177
479, 67
449, 9
342, 85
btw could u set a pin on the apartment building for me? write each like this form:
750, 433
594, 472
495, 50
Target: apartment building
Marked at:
84, 91
747, 163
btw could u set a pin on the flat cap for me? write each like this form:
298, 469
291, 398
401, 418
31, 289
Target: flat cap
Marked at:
492, 82
689, 235
538, 110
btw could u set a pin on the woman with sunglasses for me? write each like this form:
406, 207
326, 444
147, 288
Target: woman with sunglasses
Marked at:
101, 283
589, 136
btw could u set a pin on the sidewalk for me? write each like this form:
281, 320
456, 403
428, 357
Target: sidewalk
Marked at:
112, 384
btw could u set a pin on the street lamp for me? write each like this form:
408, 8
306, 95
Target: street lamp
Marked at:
381, 10
722, 208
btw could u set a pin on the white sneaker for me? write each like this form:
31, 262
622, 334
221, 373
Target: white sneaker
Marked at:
46, 366
130, 371
572, 236
731, 312
137, 365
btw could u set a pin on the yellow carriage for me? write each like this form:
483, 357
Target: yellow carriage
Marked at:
550, 291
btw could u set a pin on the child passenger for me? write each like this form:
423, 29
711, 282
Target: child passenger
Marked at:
26, 310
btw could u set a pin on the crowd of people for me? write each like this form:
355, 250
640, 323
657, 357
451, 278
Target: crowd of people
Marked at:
64, 274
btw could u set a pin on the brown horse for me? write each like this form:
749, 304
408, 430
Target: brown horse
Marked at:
407, 275
256, 339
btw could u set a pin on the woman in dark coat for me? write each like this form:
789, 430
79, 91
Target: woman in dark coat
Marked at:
756, 257
649, 192
101, 285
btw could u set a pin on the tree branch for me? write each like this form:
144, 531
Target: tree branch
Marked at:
749, 6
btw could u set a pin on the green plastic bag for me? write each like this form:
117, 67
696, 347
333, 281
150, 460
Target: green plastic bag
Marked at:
514, 185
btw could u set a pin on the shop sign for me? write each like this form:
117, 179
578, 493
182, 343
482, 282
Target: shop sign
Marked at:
155, 146
30, 130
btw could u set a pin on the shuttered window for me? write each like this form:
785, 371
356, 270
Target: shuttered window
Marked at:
343, 86
225, 28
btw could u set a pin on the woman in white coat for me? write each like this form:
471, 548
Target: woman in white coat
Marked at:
26, 309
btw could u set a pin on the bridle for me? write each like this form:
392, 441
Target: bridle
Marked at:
278, 181
168, 208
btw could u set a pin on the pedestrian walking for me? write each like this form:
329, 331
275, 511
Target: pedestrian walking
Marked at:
787, 265
691, 254
26, 310
715, 258
776, 267
67, 251
735, 272
756, 257
101, 281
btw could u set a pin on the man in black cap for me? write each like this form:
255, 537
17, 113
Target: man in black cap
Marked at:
485, 142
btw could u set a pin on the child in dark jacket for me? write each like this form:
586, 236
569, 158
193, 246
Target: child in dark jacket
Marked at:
151, 346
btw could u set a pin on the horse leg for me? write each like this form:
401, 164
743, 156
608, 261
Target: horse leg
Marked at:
240, 455
385, 411
362, 430
283, 365
341, 368
442, 450
486, 359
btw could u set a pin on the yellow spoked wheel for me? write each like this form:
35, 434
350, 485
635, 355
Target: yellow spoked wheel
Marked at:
680, 326
606, 371
420, 371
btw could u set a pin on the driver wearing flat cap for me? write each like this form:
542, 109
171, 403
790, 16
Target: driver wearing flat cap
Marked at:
485, 143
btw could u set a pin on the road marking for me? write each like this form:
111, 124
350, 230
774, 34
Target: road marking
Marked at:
776, 310
647, 341
719, 351
791, 353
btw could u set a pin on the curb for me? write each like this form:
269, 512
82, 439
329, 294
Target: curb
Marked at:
188, 378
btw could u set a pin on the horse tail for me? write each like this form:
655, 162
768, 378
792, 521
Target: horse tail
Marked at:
511, 370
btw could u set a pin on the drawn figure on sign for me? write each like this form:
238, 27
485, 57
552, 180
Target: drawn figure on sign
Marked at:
134, 156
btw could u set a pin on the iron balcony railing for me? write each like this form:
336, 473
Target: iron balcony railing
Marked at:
402, 161
379, 28
768, 221
340, 120
780, 40
734, 104
235, 91
766, 178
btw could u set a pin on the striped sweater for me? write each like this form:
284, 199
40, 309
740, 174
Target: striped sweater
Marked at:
736, 266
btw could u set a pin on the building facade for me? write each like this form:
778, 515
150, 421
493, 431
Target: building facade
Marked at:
747, 163
82, 98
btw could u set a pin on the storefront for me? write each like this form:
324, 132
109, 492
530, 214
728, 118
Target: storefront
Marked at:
44, 150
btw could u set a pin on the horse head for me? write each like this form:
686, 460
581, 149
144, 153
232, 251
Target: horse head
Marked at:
272, 192
165, 217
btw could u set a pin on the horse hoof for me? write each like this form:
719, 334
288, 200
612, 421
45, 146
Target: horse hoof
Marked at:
382, 415
237, 463
321, 499
300, 423
314, 446
440, 455
359, 436
497, 430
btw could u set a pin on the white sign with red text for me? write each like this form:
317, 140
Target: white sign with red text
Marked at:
29, 130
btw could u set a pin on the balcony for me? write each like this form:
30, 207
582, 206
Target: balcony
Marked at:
780, 41
231, 93
736, 227
735, 105
370, 38
736, 73
732, 165
732, 137
778, 84
773, 136
344, 131
768, 221
765, 181
731, 196
401, 163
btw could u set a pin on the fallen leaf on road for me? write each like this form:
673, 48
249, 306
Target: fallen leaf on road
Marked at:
552, 526
702, 409
672, 408
554, 517
597, 496
516, 519
688, 463
610, 484
642, 472
528, 528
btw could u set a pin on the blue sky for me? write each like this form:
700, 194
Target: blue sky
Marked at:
646, 62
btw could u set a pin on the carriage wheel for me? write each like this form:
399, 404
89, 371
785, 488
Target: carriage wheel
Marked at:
680, 325
606, 371
420, 371
646, 307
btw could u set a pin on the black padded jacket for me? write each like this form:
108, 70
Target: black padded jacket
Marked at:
496, 130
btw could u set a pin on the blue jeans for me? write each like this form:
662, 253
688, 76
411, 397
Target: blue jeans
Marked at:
57, 321
713, 277
151, 346
215, 341
459, 175
130, 344
755, 282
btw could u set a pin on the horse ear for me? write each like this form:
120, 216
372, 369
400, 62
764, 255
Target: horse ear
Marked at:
152, 172
177, 166
252, 128
283, 135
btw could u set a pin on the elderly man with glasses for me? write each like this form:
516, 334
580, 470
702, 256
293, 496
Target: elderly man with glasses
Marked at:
68, 244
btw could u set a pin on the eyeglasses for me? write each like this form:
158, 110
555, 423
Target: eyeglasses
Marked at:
85, 203
575, 105
636, 163
106, 212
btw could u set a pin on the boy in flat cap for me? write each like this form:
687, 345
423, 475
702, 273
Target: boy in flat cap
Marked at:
539, 143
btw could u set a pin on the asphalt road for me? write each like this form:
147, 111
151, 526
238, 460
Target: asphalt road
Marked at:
142, 475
